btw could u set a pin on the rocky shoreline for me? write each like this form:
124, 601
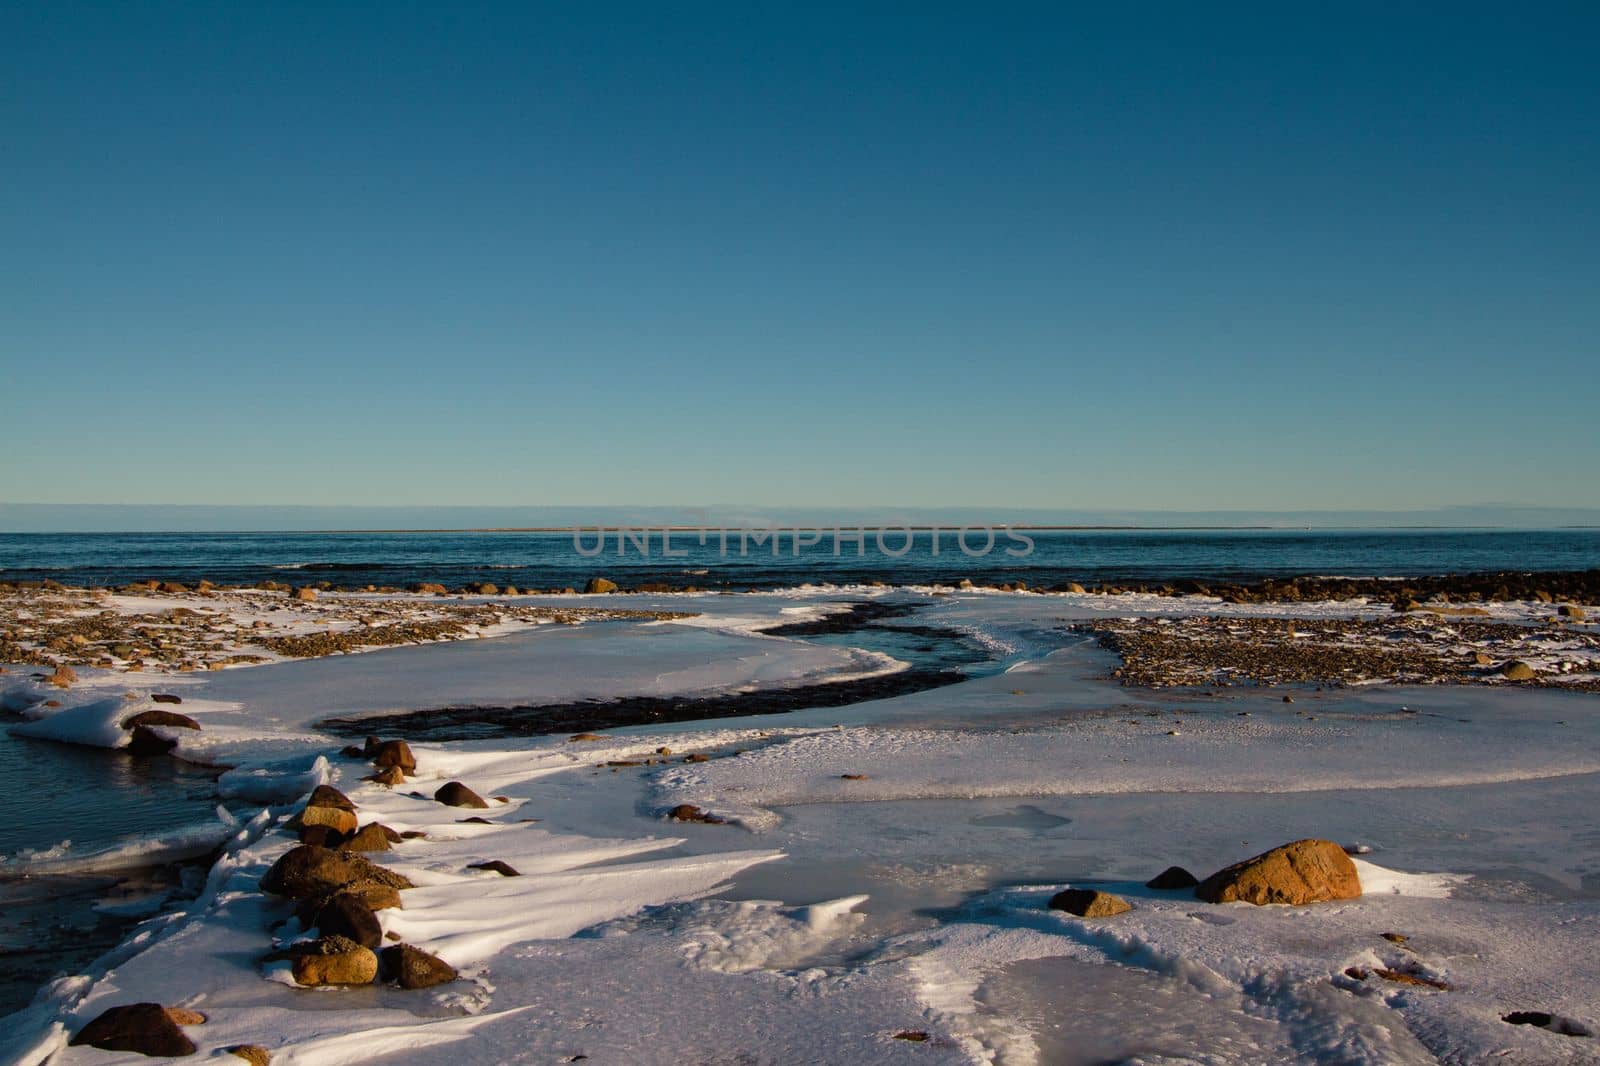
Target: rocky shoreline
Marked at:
1420, 647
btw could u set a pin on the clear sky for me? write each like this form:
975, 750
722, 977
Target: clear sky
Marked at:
1134, 256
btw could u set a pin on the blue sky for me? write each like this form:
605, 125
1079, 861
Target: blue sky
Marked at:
1148, 257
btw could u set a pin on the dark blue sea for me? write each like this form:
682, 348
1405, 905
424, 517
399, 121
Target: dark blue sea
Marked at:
762, 559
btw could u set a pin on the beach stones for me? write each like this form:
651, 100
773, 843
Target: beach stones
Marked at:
309, 870
1305, 871
455, 794
396, 753
334, 960
331, 808
143, 1028
374, 836
1517, 670
599, 585
390, 776
170, 719
414, 968
1088, 903
1172, 877
688, 812
347, 914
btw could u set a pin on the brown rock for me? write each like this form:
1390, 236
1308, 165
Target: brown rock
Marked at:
328, 796
254, 1054
374, 836
334, 960
165, 697
505, 869
1567, 610
414, 968
1172, 877
146, 742
1402, 978
455, 794
389, 775
688, 812
395, 753
1517, 670
348, 915
1482, 658
312, 871
304, 594
322, 836
340, 821
598, 585
697, 757
378, 897
185, 1016
143, 1028
579, 737
1305, 871
171, 719
1087, 903
63, 677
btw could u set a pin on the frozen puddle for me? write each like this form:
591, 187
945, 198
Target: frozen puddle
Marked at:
1088, 1014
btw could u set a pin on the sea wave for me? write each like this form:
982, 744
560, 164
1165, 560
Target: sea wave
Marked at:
156, 849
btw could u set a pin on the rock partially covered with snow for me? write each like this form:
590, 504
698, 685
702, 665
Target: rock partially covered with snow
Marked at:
169, 719
143, 1028
394, 753
1087, 903
312, 871
411, 967
334, 960
1305, 871
455, 794
1171, 878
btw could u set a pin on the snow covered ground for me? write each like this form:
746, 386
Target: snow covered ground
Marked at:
877, 892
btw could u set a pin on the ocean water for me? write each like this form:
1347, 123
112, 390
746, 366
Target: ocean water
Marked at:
734, 560
64, 807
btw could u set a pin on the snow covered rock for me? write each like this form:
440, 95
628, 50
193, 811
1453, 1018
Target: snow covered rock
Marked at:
1305, 871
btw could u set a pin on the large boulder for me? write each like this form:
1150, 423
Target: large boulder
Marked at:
1517, 670
347, 914
170, 719
1087, 903
331, 808
395, 753
143, 1028
600, 584
304, 594
309, 870
334, 960
455, 794
374, 836
411, 967
1572, 611
1305, 871
1172, 877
